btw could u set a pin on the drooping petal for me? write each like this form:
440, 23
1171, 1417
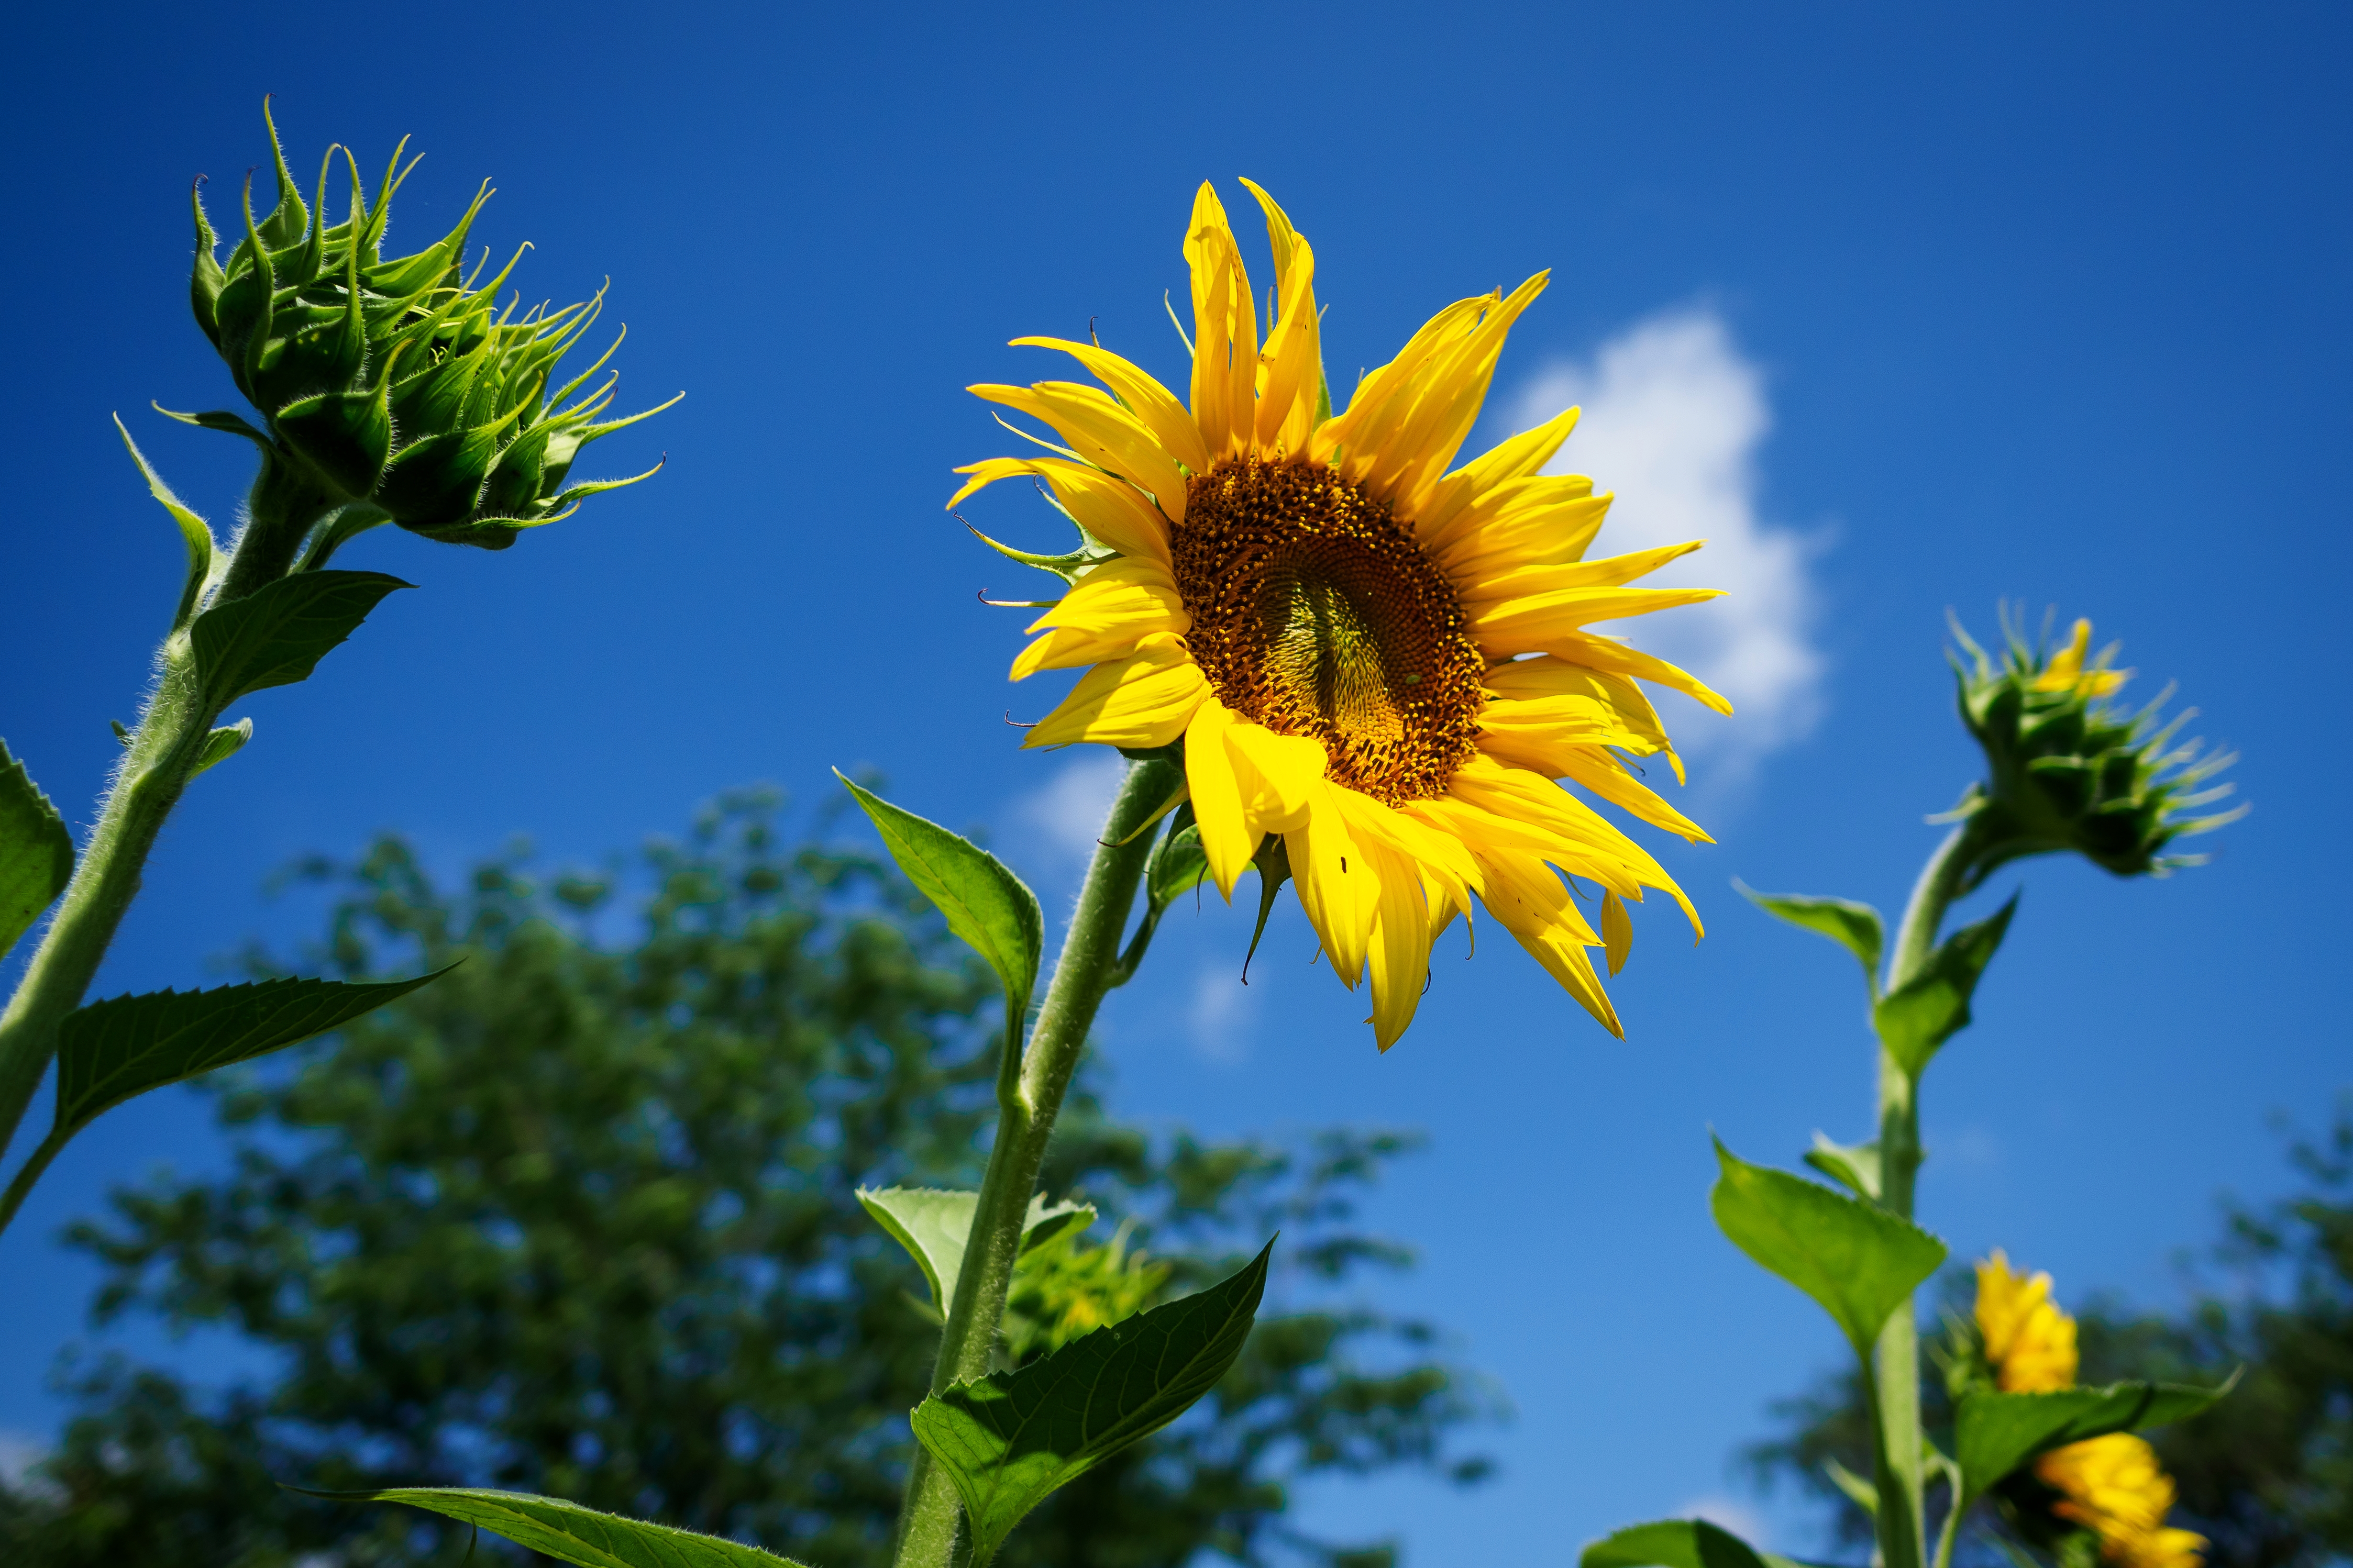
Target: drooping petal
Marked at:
1143, 701
1601, 772
1226, 838
1339, 888
1608, 654
1102, 432
1105, 505
1169, 421
1104, 617
1398, 953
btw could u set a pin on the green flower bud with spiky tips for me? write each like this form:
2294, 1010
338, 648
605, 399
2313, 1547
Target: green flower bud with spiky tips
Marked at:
2068, 771
394, 388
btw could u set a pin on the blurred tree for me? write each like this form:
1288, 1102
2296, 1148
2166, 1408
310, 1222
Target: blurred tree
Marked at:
579, 1219
2266, 1475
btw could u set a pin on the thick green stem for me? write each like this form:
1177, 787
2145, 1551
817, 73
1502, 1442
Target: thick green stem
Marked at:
1025, 1110
1896, 1392
161, 757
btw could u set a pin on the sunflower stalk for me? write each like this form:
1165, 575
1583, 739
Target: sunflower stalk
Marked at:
1028, 1104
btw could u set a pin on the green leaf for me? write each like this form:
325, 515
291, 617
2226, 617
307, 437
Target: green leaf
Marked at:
124, 1046
1934, 1005
1856, 927
36, 854
1676, 1543
1994, 1432
1851, 1165
933, 1224
1177, 865
224, 743
984, 902
194, 531
570, 1533
1860, 1262
276, 634
1010, 1438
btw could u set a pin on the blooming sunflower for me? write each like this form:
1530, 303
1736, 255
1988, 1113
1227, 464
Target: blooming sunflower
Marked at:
2111, 1486
1383, 664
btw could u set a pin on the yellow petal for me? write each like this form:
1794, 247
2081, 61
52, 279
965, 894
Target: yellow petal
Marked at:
1601, 772
1522, 456
1609, 572
1168, 420
1102, 432
1531, 624
1143, 701
1339, 889
1438, 854
1543, 522
1225, 330
1104, 617
1608, 654
1282, 775
1226, 838
1291, 371
1105, 505
1410, 463
1398, 953
1381, 400
1617, 932
1530, 679
1527, 899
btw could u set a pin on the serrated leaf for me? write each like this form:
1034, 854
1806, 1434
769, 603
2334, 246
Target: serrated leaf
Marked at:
1009, 1439
1934, 1005
986, 904
1860, 1262
1995, 1433
36, 854
1852, 1165
1676, 1543
126, 1046
934, 1224
276, 634
1854, 926
224, 743
569, 1533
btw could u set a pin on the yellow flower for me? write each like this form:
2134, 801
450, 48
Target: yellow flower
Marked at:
2065, 673
1384, 663
2028, 1341
2114, 1487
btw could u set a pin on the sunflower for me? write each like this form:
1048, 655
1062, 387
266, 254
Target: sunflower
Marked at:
1383, 664
2028, 1341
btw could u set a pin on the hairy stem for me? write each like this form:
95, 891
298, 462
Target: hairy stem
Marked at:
1027, 1107
160, 758
1896, 1392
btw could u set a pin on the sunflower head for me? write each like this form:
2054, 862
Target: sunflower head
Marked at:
1373, 665
397, 382
2027, 1343
2068, 770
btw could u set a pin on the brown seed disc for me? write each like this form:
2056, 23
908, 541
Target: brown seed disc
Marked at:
1315, 614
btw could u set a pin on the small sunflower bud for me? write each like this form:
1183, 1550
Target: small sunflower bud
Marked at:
397, 382
2067, 771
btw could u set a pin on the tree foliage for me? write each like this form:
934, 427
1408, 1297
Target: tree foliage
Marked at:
2266, 1475
579, 1219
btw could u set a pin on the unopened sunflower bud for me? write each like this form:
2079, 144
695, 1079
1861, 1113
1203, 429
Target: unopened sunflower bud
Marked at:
398, 383
2067, 771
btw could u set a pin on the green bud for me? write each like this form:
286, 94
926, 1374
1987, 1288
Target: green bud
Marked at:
397, 385
2066, 771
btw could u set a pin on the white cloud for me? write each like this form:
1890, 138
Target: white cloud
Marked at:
1066, 813
1673, 416
1222, 1012
20, 1452
1728, 1513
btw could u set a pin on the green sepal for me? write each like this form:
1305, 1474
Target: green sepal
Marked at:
1009, 1439
345, 435
205, 279
986, 904
1851, 1165
244, 310
1273, 863
1860, 1262
194, 532
569, 1533
430, 484
1934, 1005
126, 1046
934, 1224
219, 419
1855, 927
288, 219
276, 634
1676, 1543
1994, 1432
222, 744
36, 853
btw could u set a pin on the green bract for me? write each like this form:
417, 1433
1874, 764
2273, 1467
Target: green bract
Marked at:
395, 387
2067, 770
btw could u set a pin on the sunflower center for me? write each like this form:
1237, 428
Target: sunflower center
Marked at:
1315, 614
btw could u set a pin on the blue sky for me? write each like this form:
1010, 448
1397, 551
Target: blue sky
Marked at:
1907, 308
